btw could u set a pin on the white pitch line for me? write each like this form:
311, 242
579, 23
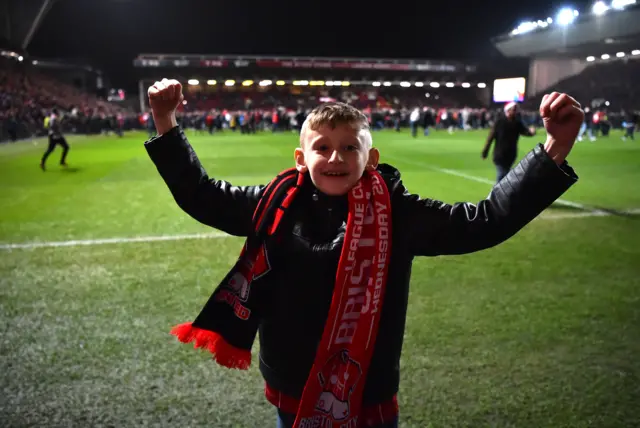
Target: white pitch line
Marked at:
487, 181
597, 213
87, 242
80, 242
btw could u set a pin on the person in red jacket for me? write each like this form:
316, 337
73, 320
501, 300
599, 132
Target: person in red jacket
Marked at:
324, 272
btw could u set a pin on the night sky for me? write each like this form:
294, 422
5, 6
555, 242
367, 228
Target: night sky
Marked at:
110, 33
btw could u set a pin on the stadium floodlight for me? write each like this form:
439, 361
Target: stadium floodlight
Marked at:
566, 16
376, 84
345, 83
247, 83
599, 8
591, 58
466, 85
428, 95
337, 83
20, 58
265, 82
525, 27
434, 84
635, 52
607, 103
621, 4
605, 56
387, 83
229, 82
620, 54
448, 85
280, 83
419, 84
405, 84
549, 20
211, 82
193, 82
482, 85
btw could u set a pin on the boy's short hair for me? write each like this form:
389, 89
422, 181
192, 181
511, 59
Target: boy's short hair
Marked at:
334, 114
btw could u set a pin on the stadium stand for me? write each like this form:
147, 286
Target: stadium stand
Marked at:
27, 95
616, 82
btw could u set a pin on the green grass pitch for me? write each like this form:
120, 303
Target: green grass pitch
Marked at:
541, 331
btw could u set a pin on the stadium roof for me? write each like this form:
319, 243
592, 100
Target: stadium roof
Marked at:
593, 34
21, 20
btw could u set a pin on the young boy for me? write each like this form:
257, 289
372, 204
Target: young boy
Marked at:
324, 273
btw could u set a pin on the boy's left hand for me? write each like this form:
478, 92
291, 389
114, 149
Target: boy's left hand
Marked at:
562, 116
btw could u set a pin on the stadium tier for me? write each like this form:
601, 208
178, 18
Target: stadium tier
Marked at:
28, 93
610, 84
235, 86
594, 51
291, 82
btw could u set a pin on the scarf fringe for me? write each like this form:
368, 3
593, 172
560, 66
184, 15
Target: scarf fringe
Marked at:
224, 353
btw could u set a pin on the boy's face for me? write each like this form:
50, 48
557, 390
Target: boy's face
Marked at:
336, 158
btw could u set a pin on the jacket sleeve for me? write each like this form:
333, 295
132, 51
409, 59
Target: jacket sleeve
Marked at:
436, 228
215, 203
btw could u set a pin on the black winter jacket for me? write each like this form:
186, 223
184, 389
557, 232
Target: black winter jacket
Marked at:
303, 274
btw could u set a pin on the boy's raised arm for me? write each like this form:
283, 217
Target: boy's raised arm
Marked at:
533, 185
213, 202
437, 228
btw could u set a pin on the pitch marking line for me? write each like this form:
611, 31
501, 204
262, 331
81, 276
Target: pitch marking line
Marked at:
217, 235
487, 181
80, 242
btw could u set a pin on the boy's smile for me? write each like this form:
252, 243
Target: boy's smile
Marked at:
336, 157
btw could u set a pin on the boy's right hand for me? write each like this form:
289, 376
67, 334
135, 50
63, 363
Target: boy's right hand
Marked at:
164, 99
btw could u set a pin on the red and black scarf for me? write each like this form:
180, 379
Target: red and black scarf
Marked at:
228, 323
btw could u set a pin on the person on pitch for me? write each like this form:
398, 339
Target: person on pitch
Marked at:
325, 268
506, 132
55, 138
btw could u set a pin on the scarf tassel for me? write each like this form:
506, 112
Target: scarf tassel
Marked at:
224, 353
